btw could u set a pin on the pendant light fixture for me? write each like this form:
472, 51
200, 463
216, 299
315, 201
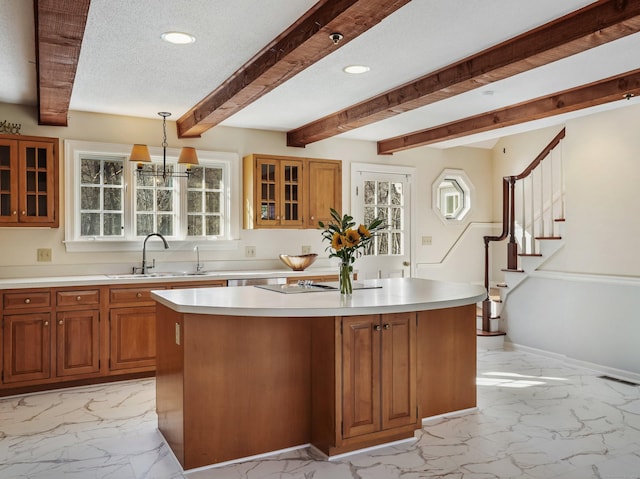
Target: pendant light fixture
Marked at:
140, 155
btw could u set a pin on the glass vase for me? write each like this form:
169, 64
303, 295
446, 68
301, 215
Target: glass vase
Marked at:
346, 278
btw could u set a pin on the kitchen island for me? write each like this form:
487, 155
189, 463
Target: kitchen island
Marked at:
247, 371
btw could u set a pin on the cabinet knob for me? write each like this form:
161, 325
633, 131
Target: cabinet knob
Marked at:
387, 326
60, 322
27, 300
138, 295
377, 327
15, 212
78, 298
46, 323
24, 213
313, 218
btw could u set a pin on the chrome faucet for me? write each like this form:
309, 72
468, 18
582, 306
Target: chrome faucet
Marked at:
145, 268
199, 266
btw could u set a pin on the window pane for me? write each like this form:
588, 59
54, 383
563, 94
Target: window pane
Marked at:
113, 172
165, 225
194, 201
383, 193
90, 224
144, 224
213, 203
213, 225
112, 199
213, 178
89, 171
144, 200
369, 192
89, 198
396, 193
195, 225
113, 224
195, 179
165, 200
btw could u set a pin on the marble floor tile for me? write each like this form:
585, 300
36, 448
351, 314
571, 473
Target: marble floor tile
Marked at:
537, 418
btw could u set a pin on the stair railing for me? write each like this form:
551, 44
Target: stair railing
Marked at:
532, 227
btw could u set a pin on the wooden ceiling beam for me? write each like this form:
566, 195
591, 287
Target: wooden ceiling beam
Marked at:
301, 45
594, 25
59, 28
597, 93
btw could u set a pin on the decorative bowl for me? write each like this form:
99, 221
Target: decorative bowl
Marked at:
298, 262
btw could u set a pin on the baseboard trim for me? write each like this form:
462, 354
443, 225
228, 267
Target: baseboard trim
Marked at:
597, 368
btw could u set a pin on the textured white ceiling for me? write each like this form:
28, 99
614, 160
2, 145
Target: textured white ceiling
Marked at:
125, 68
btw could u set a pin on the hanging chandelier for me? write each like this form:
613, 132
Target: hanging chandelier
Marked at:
140, 155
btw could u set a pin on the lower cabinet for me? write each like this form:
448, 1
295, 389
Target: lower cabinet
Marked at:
78, 342
378, 373
132, 337
375, 375
27, 347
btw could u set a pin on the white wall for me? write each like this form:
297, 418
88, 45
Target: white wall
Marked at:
18, 245
585, 300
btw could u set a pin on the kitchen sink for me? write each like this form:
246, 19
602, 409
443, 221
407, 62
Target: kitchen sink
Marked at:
169, 274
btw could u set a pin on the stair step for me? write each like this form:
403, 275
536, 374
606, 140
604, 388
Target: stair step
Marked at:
480, 332
548, 237
529, 254
502, 285
495, 299
513, 270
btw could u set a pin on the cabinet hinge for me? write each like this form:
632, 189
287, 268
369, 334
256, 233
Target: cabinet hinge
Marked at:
356, 191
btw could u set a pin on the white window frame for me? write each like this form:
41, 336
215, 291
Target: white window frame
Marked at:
74, 242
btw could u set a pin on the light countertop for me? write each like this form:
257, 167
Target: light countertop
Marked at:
386, 296
154, 278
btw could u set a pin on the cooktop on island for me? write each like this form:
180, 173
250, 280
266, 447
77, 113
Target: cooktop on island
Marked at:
310, 287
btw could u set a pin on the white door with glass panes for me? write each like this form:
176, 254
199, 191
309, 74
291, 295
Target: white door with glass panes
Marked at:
385, 192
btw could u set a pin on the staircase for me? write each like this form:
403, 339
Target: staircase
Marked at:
532, 219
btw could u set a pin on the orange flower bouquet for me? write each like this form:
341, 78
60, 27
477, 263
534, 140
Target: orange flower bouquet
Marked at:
345, 241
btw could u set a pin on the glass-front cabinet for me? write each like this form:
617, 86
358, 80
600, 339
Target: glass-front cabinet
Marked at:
28, 181
289, 192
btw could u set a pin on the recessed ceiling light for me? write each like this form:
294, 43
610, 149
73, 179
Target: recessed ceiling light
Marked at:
178, 38
356, 69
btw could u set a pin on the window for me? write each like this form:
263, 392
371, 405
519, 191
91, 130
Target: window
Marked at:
385, 199
452, 195
111, 204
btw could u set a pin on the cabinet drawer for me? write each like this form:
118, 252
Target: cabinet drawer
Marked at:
17, 301
78, 298
131, 295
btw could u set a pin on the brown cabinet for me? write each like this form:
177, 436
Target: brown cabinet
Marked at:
132, 328
28, 181
287, 192
324, 191
364, 381
34, 350
378, 373
77, 332
27, 347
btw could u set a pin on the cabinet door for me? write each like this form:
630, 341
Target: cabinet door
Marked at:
36, 202
27, 347
398, 370
267, 176
360, 375
133, 337
77, 342
291, 202
324, 188
8, 181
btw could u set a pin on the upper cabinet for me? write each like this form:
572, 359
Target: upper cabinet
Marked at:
28, 181
289, 192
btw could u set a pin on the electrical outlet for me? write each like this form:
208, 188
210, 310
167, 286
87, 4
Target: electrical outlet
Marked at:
426, 240
44, 254
250, 251
306, 250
